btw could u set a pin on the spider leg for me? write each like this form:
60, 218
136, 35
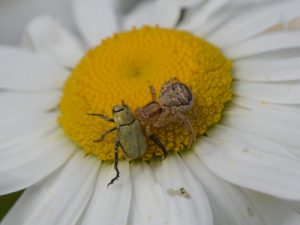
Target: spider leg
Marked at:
156, 140
105, 133
153, 93
116, 160
101, 116
148, 131
188, 126
161, 119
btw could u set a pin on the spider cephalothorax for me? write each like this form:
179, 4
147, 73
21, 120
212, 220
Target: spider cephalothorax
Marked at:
175, 99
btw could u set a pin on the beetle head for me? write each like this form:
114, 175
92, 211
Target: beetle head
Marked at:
122, 114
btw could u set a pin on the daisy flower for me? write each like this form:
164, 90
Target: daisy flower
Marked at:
241, 61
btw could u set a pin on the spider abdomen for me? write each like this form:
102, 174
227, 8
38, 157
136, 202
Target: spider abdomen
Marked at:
175, 94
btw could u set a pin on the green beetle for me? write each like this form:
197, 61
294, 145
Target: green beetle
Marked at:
130, 135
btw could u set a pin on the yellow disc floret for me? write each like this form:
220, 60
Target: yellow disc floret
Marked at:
123, 66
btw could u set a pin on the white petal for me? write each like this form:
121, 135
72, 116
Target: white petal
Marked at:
16, 103
179, 209
154, 13
96, 19
229, 204
167, 12
43, 34
249, 140
22, 128
61, 198
282, 93
265, 43
190, 3
24, 165
200, 15
284, 135
289, 119
156, 166
254, 141
23, 70
109, 205
275, 174
295, 205
273, 210
262, 70
254, 104
255, 21
214, 22
141, 14
147, 204
125, 6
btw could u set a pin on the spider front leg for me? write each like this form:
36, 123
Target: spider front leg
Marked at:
153, 93
188, 126
156, 140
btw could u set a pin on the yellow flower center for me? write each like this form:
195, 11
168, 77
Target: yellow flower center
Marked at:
123, 66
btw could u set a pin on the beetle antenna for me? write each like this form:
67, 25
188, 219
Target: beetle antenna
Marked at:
101, 116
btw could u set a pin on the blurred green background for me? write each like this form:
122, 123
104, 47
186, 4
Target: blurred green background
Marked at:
7, 201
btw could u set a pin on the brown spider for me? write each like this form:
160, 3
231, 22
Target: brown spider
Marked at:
175, 99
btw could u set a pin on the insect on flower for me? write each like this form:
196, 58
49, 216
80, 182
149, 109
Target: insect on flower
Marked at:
175, 99
130, 136
179, 192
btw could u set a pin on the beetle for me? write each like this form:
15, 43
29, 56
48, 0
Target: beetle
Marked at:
130, 135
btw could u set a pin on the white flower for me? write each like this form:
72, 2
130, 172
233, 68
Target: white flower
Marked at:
255, 146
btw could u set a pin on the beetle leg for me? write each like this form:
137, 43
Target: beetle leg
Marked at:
101, 116
105, 133
153, 93
117, 145
156, 140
